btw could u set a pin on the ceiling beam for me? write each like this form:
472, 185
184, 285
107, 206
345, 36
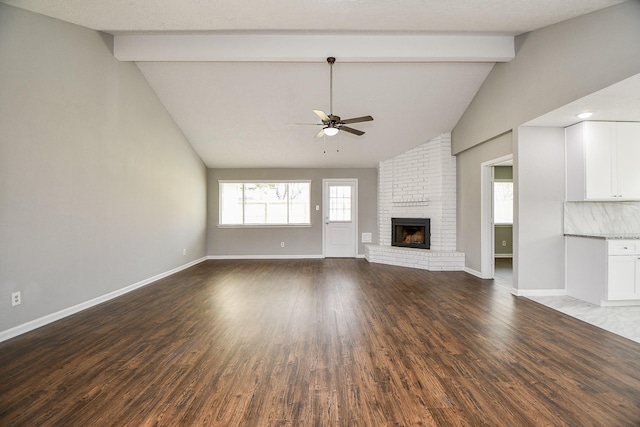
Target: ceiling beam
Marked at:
313, 48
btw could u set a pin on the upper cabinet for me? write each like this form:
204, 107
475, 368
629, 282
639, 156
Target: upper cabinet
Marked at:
603, 161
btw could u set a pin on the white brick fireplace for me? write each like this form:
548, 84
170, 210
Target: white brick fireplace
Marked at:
420, 183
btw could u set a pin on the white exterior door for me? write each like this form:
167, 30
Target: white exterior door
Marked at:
340, 209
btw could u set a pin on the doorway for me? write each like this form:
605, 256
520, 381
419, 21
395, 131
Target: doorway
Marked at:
340, 212
497, 221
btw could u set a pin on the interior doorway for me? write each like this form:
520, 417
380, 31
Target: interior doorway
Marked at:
497, 221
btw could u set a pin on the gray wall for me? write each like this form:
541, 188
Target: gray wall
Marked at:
503, 172
299, 241
99, 189
503, 233
469, 189
553, 67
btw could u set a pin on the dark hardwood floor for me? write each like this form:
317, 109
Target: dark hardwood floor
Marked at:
336, 342
503, 272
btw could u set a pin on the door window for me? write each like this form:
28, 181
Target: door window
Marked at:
340, 203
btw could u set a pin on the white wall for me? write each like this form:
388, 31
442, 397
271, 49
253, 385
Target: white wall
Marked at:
420, 183
539, 164
99, 189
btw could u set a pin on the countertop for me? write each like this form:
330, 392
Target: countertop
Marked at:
617, 236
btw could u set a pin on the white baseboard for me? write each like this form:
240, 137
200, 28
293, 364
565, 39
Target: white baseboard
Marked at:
50, 318
539, 292
232, 257
475, 273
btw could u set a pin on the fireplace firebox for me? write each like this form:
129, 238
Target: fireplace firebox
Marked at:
411, 232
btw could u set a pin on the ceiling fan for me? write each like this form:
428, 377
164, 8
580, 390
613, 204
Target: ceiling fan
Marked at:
332, 124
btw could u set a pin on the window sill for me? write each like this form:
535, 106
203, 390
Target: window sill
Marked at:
264, 225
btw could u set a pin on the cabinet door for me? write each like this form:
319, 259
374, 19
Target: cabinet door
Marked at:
599, 148
628, 159
623, 277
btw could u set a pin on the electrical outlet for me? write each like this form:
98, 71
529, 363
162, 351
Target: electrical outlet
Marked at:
184, 252
16, 299
282, 244
504, 243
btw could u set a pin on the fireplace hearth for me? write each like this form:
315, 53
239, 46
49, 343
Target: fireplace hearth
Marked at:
411, 232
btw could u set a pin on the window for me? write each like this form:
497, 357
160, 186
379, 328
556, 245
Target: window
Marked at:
265, 203
503, 202
339, 203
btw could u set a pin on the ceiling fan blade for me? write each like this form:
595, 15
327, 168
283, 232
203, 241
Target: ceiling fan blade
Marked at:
351, 130
322, 115
303, 124
320, 134
357, 120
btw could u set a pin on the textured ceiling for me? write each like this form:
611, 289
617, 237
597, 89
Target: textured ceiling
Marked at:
235, 113
510, 17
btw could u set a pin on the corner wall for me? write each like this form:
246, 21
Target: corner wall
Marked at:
99, 189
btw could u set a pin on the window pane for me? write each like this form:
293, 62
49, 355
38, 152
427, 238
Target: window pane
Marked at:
299, 203
230, 203
266, 203
503, 202
340, 203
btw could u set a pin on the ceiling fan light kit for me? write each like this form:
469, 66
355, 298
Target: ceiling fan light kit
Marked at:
332, 124
330, 131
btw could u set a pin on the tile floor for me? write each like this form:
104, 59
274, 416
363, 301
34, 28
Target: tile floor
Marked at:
623, 321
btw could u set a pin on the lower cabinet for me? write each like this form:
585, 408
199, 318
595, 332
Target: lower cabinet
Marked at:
624, 277
603, 272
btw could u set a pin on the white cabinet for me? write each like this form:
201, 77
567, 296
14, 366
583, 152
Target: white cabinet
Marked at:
623, 279
603, 272
622, 283
602, 161
628, 159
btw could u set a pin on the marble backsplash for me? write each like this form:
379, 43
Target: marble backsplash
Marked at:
602, 218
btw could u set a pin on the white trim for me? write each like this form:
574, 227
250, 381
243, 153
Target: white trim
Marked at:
232, 257
503, 255
539, 292
634, 302
50, 318
313, 47
475, 273
361, 256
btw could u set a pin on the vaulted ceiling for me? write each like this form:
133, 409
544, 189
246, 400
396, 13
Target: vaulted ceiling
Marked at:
233, 74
